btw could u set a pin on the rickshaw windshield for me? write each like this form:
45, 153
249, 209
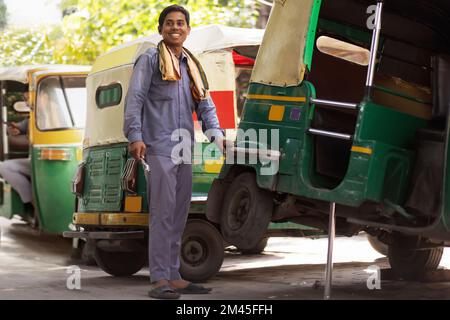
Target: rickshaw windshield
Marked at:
61, 103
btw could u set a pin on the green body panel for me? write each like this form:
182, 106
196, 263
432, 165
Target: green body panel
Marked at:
6, 206
102, 189
13, 205
102, 186
51, 188
344, 31
310, 39
384, 174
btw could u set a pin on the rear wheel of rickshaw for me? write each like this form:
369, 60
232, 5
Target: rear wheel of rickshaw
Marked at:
246, 212
259, 248
201, 251
409, 261
120, 262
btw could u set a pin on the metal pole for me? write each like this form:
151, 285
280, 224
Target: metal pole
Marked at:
4, 111
331, 234
374, 45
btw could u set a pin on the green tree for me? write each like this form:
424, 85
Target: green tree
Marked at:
25, 46
68, 7
99, 25
3, 16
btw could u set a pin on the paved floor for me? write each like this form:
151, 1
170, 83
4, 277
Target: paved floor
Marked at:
35, 266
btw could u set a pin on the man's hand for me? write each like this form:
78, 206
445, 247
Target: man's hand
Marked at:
13, 129
137, 149
223, 144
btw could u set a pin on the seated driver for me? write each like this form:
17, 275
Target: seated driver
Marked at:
17, 172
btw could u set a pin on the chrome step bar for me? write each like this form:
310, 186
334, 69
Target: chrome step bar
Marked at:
331, 134
330, 103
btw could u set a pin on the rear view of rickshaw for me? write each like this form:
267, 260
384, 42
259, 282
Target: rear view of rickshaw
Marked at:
346, 114
112, 210
56, 111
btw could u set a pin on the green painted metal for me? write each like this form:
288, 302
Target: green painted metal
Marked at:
104, 166
311, 37
364, 38
102, 189
51, 186
5, 207
382, 175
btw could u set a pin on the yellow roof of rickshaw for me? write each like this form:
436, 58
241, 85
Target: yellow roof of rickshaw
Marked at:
201, 39
21, 73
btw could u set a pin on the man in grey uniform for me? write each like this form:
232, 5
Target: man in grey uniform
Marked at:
166, 88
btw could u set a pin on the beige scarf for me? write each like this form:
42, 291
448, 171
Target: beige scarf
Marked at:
169, 65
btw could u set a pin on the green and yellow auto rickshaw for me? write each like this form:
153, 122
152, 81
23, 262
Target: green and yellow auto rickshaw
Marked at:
56, 109
345, 128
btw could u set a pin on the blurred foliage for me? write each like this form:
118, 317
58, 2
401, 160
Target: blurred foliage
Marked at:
24, 46
98, 25
3, 16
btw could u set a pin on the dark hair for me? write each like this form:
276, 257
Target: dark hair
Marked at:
169, 9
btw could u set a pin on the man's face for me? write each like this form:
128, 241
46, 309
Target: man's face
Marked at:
175, 29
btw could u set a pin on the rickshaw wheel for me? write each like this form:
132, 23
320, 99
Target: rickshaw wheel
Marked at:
246, 212
119, 263
409, 262
259, 248
201, 251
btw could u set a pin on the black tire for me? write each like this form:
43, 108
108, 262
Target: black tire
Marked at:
246, 212
120, 263
377, 245
259, 248
410, 263
202, 251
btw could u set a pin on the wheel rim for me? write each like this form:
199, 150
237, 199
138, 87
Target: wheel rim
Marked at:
239, 210
194, 251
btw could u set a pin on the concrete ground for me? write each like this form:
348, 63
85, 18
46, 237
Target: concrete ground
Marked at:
35, 266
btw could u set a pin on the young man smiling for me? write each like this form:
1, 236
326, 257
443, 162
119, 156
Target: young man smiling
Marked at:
167, 86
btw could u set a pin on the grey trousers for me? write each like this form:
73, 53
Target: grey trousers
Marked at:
169, 189
17, 173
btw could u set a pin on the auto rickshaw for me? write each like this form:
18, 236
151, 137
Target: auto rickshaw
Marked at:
112, 212
56, 109
345, 128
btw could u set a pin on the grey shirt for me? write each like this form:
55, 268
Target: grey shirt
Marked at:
155, 108
23, 126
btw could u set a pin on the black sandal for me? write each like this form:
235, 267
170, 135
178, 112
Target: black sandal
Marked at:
164, 292
193, 288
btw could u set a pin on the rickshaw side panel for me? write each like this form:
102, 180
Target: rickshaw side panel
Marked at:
375, 169
51, 189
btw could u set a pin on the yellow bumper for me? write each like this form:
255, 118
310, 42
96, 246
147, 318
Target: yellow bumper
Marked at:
110, 219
